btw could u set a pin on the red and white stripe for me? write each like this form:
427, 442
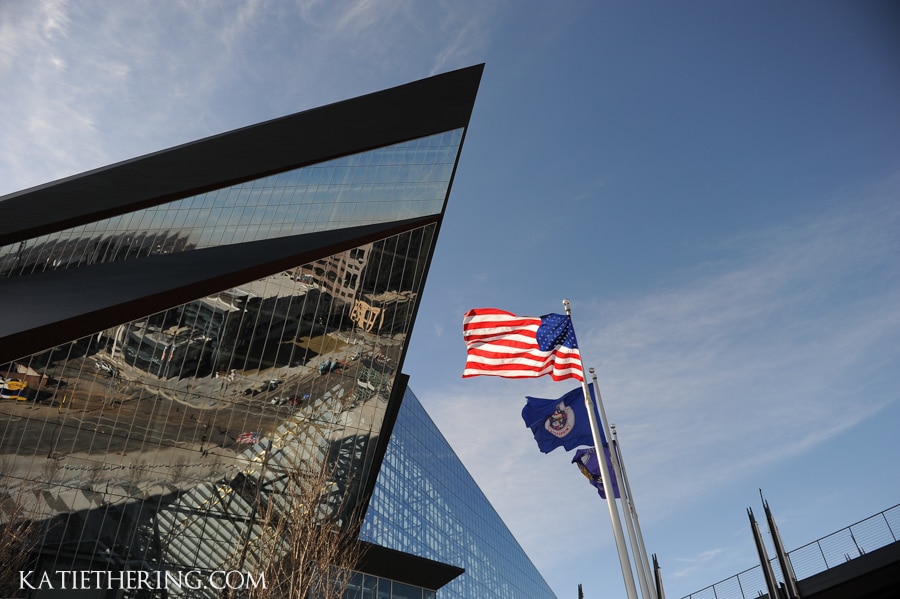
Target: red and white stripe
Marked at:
499, 343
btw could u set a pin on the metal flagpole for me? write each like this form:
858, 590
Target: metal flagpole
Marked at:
641, 552
624, 561
625, 496
629, 522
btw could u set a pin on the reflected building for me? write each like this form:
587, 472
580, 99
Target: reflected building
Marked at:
183, 331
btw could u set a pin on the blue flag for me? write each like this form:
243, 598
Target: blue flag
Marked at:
586, 460
559, 422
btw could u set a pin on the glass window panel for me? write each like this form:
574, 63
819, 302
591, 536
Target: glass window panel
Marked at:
384, 588
443, 516
405, 591
337, 183
182, 402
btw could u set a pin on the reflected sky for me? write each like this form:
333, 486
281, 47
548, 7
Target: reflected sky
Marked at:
402, 181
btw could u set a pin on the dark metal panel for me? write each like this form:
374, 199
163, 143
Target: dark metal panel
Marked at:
875, 575
404, 567
440, 103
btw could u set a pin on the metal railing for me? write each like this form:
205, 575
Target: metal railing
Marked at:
839, 547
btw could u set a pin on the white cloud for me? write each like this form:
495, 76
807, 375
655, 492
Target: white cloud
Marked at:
771, 348
465, 35
26, 25
693, 565
98, 82
480, 419
749, 361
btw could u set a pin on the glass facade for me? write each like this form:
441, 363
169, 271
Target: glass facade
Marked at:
365, 586
426, 503
401, 181
192, 437
155, 442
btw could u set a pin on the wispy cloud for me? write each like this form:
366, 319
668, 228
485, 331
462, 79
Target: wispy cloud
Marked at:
40, 118
693, 565
24, 26
784, 341
67, 82
779, 343
464, 33
150, 75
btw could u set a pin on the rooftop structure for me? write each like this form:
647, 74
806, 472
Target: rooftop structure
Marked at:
861, 561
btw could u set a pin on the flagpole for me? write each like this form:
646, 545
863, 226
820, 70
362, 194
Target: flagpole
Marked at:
627, 504
610, 493
629, 521
640, 551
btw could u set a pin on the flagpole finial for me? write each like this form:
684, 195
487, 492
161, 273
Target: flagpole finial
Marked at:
566, 306
591, 370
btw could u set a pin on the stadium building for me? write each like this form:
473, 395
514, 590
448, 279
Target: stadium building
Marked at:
184, 332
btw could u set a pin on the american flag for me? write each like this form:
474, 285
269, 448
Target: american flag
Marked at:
247, 438
500, 343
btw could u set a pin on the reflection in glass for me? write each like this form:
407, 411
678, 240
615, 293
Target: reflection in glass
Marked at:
146, 433
406, 180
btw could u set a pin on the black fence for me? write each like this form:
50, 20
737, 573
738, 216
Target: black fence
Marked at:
837, 548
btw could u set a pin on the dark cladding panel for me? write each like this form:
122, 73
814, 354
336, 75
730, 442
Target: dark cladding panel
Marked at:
55, 307
389, 563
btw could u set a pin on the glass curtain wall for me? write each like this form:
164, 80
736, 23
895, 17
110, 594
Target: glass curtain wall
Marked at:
401, 181
279, 375
136, 446
426, 503
365, 586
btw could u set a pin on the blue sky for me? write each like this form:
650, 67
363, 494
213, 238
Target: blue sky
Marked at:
713, 185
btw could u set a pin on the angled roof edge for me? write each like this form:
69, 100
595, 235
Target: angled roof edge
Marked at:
425, 107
